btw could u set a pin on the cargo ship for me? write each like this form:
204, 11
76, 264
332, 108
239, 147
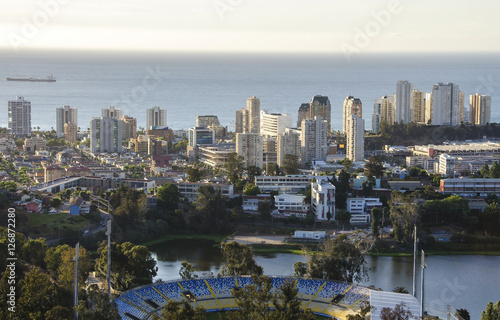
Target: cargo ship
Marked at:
50, 78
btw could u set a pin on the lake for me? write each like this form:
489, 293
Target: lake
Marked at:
468, 282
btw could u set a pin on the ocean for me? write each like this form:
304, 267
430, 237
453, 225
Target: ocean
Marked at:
192, 84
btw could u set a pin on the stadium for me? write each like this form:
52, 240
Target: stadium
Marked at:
324, 297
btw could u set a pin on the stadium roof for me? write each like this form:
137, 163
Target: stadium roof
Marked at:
382, 299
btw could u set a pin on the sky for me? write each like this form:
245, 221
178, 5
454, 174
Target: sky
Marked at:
323, 26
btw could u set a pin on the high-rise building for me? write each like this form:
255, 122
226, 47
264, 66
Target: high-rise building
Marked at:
288, 143
250, 147
428, 108
303, 113
355, 138
418, 106
64, 115
383, 111
129, 127
105, 135
480, 109
269, 150
404, 90
211, 122
314, 139
274, 124
241, 123
111, 112
319, 106
447, 104
70, 132
351, 106
156, 117
253, 107
19, 117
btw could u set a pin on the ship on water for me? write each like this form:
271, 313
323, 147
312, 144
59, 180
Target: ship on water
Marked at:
50, 78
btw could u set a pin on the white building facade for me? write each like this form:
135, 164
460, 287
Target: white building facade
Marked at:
322, 198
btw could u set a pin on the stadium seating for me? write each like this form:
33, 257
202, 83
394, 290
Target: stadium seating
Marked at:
142, 302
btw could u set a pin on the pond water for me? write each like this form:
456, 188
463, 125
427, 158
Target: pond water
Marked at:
468, 282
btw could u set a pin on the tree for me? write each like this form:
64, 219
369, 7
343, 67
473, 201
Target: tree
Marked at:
485, 171
463, 313
131, 266
211, 212
347, 163
291, 164
97, 306
495, 170
368, 185
234, 166
254, 302
59, 313
490, 198
404, 213
168, 196
34, 252
251, 189
343, 216
37, 295
374, 167
55, 202
376, 221
66, 269
341, 188
253, 171
194, 174
264, 209
299, 269
187, 271
400, 290
337, 259
400, 312
492, 311
239, 260
174, 310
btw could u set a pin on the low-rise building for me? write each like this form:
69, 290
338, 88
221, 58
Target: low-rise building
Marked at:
289, 204
189, 190
283, 184
251, 203
469, 187
323, 199
360, 208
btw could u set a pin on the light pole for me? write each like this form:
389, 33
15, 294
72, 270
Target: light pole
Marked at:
108, 233
415, 244
422, 287
77, 255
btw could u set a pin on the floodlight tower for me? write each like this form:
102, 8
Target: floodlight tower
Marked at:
77, 255
415, 245
422, 286
108, 233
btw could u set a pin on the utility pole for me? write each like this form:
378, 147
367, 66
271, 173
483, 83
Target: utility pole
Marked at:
108, 233
415, 244
77, 256
422, 286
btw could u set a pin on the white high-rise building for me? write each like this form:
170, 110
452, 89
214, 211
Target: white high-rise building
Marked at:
289, 143
275, 124
156, 117
19, 117
314, 142
480, 109
106, 135
355, 138
428, 108
111, 112
250, 147
323, 198
447, 106
404, 90
253, 107
64, 115
351, 106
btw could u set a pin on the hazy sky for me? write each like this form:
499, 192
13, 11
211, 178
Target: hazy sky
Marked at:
252, 25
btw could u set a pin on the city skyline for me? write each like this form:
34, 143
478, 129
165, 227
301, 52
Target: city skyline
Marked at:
251, 26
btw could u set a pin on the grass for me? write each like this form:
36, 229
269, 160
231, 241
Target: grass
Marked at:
446, 248
56, 220
221, 315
